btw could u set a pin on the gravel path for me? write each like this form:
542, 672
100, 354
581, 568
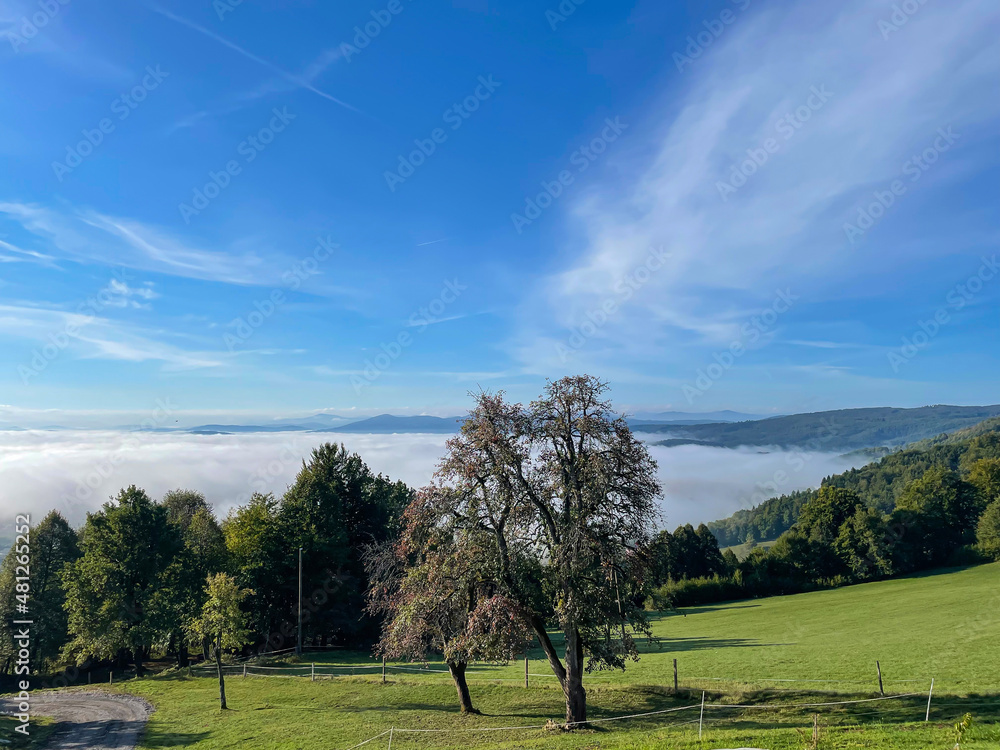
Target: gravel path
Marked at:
89, 720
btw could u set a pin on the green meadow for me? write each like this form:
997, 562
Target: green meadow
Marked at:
767, 656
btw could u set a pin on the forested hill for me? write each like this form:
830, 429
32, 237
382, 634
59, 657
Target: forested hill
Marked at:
839, 430
879, 483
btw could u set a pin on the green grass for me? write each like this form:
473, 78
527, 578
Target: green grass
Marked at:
944, 625
742, 550
39, 727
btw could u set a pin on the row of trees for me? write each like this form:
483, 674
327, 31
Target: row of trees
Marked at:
943, 517
134, 580
879, 483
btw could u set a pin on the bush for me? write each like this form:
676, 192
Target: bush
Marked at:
967, 555
988, 532
693, 592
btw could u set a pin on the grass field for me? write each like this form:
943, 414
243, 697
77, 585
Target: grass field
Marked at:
944, 626
40, 728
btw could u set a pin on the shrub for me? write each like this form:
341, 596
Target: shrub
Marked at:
692, 592
988, 532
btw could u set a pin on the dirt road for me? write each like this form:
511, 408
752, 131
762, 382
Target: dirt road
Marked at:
89, 720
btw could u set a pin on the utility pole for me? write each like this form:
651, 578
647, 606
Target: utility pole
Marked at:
298, 648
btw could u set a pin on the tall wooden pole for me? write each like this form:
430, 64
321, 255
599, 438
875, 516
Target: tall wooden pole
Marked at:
298, 648
675, 675
881, 690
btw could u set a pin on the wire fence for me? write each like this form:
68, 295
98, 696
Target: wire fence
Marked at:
322, 669
901, 707
709, 715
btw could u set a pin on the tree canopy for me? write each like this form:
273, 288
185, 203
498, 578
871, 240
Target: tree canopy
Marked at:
567, 496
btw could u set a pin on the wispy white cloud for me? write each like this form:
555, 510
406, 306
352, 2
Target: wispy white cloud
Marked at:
887, 99
15, 254
91, 236
88, 336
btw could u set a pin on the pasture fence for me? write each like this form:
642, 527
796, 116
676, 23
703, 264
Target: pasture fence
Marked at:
703, 707
709, 713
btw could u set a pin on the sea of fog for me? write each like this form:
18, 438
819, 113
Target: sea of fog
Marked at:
77, 471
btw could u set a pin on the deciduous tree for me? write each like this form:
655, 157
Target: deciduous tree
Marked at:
435, 591
120, 592
567, 494
222, 622
54, 544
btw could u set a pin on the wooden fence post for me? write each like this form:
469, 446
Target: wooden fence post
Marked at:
526, 667
701, 718
881, 690
383, 670
675, 675
244, 671
314, 671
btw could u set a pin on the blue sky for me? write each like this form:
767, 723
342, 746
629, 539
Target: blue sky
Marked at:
750, 205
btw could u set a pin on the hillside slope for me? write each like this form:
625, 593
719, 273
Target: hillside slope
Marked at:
878, 483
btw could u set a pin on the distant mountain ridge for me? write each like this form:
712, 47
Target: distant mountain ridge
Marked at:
839, 430
388, 423
691, 417
836, 430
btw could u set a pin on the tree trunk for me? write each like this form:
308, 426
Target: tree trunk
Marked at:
576, 695
538, 625
139, 671
457, 670
222, 678
182, 655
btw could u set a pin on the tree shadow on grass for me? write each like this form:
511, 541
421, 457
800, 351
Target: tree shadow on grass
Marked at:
945, 710
685, 611
436, 707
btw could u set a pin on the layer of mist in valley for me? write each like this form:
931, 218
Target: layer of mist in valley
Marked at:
77, 471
